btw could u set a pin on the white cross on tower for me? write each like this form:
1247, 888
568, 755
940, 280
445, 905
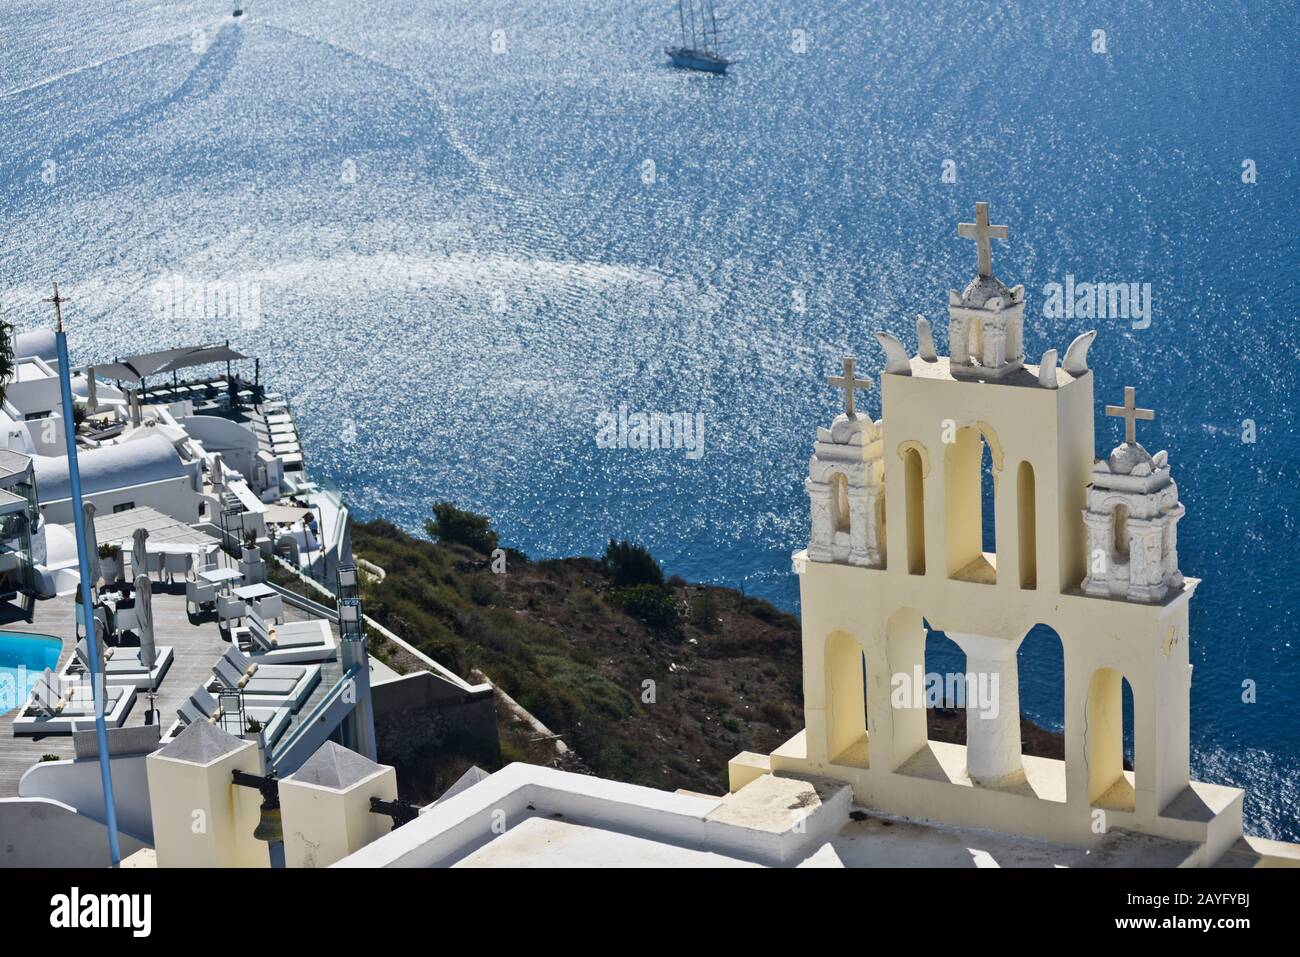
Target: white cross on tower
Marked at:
1130, 413
850, 385
982, 232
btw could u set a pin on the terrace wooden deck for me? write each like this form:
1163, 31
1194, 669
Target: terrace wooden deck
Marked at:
197, 643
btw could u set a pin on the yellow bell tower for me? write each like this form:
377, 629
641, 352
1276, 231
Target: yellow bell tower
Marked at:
1083, 545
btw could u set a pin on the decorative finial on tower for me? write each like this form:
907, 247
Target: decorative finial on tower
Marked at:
1130, 413
896, 360
1076, 356
850, 385
925, 340
982, 232
1047, 370
58, 308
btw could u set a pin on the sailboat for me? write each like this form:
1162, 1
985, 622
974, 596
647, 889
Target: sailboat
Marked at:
699, 49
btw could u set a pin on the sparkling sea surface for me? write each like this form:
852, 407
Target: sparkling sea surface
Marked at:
465, 228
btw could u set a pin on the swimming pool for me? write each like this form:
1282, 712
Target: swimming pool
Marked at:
22, 659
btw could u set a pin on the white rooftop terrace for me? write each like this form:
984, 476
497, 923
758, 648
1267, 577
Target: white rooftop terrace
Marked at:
527, 816
197, 640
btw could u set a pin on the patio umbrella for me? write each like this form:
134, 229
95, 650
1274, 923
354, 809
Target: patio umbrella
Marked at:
92, 400
218, 474
139, 557
144, 620
92, 546
101, 642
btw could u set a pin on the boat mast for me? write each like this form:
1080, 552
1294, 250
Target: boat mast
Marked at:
713, 24
681, 17
694, 42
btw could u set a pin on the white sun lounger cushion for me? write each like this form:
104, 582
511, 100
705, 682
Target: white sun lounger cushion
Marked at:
232, 677
248, 666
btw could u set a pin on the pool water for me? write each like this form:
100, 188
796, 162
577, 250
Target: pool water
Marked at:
22, 659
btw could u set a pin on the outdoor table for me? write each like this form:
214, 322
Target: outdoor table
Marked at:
218, 576
221, 577
255, 591
171, 548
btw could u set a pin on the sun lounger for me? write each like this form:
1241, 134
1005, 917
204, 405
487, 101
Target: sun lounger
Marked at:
296, 641
202, 706
296, 634
121, 666
56, 707
265, 692
246, 665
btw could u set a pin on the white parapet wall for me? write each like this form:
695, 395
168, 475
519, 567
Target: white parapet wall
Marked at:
40, 832
77, 784
753, 831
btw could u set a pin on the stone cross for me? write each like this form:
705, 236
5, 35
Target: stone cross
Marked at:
982, 232
850, 385
1130, 413
58, 307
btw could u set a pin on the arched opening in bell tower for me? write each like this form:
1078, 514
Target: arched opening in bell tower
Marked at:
944, 689
988, 503
1120, 546
1027, 521
914, 494
846, 701
970, 492
1040, 664
1109, 729
839, 503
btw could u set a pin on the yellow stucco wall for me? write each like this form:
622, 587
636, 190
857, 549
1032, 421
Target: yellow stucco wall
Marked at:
322, 825
850, 611
201, 819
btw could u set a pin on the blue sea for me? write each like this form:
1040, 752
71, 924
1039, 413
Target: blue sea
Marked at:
462, 229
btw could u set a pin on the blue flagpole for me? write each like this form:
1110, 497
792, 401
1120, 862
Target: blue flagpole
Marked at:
98, 688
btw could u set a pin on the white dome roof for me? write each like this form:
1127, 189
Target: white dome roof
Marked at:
148, 459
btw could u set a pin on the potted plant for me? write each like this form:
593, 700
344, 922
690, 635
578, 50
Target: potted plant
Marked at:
251, 552
253, 732
251, 564
110, 562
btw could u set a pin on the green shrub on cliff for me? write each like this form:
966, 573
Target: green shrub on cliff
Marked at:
656, 605
629, 565
605, 652
454, 526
